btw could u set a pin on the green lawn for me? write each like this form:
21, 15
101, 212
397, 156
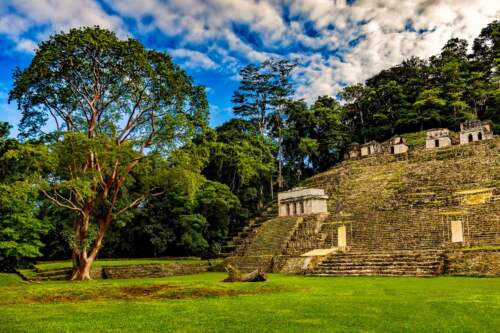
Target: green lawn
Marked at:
202, 303
122, 262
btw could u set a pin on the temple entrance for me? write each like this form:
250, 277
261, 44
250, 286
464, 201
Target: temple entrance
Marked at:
341, 237
457, 231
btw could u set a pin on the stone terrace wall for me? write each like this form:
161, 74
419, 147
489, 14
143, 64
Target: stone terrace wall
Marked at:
400, 203
141, 271
473, 263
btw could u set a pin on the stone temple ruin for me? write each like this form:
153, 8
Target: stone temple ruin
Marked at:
370, 148
470, 131
302, 201
397, 145
437, 211
437, 138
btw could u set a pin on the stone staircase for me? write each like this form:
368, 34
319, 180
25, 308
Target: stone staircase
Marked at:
308, 235
52, 274
267, 241
272, 236
394, 263
234, 242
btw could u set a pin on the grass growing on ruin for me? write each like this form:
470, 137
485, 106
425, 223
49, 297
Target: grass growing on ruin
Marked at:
202, 303
124, 262
416, 139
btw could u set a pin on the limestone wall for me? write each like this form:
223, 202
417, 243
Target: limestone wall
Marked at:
476, 136
473, 263
442, 142
141, 271
399, 149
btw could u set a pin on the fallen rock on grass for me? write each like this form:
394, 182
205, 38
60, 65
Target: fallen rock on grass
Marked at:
235, 275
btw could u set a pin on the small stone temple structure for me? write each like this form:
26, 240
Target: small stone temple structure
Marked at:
397, 145
352, 152
370, 148
302, 201
475, 130
437, 138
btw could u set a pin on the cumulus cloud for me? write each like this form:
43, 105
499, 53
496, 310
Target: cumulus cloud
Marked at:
335, 42
389, 31
26, 45
339, 43
18, 17
193, 59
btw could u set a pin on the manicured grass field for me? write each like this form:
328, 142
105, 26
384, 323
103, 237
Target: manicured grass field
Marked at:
122, 262
202, 303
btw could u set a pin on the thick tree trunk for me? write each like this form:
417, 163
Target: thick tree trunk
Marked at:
83, 259
82, 271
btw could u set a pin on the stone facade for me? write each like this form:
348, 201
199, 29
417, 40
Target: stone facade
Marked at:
473, 262
302, 201
353, 152
437, 138
397, 145
471, 131
370, 148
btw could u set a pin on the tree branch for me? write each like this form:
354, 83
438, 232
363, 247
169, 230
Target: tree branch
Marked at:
60, 204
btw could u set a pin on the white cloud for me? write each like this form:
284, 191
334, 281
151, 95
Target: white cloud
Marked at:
26, 45
50, 16
386, 42
13, 25
63, 14
193, 59
210, 25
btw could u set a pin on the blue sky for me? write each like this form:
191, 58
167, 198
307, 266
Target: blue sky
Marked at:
335, 42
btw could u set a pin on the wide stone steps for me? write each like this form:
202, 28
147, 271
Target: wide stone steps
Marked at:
271, 237
379, 264
53, 272
49, 274
416, 263
269, 240
235, 244
373, 273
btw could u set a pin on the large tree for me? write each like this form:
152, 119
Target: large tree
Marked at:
281, 96
252, 99
262, 96
111, 103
